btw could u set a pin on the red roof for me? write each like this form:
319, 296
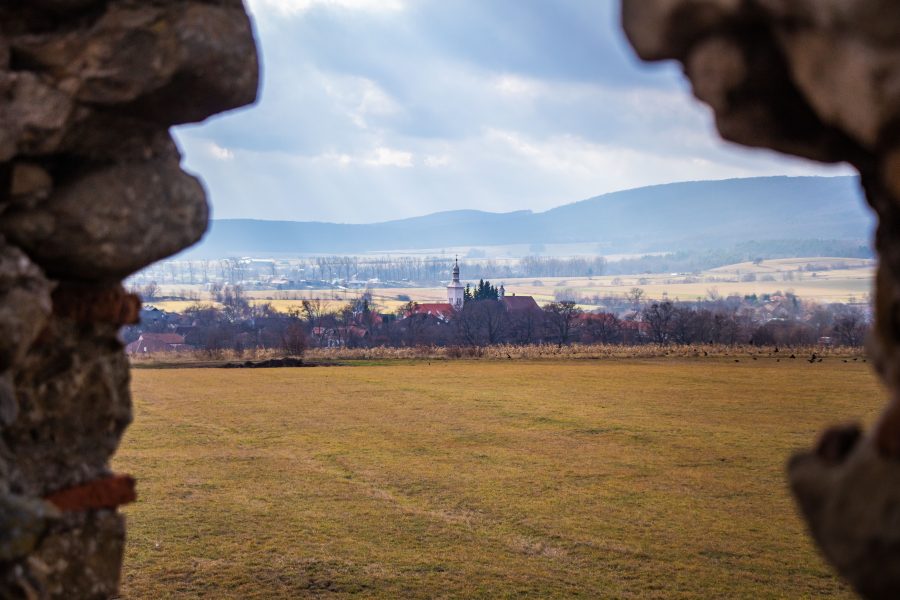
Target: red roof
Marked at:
520, 303
441, 310
156, 342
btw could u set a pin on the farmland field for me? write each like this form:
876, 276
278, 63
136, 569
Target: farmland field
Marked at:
589, 478
817, 279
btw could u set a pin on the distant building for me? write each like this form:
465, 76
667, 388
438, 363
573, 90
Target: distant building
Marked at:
455, 290
282, 283
518, 304
444, 311
340, 337
157, 342
150, 315
634, 332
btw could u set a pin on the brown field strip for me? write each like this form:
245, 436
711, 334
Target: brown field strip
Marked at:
658, 478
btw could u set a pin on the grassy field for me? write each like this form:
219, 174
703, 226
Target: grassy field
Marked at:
654, 478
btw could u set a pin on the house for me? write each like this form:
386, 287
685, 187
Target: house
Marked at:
339, 337
150, 315
634, 331
352, 335
441, 311
518, 304
157, 342
282, 283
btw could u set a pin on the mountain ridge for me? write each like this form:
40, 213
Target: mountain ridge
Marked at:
689, 214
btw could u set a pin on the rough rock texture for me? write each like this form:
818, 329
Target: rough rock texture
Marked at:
91, 190
819, 79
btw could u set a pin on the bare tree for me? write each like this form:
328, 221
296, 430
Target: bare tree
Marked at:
562, 319
658, 317
725, 328
605, 328
236, 305
703, 325
524, 326
634, 296
150, 292
850, 328
414, 323
681, 326
314, 310
482, 322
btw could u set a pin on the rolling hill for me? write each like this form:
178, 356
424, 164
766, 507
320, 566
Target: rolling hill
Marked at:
687, 215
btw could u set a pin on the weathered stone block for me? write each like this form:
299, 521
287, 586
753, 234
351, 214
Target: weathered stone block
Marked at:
90, 191
74, 405
108, 223
819, 79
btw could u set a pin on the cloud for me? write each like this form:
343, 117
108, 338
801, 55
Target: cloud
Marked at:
378, 157
436, 161
381, 109
218, 152
516, 86
386, 157
360, 98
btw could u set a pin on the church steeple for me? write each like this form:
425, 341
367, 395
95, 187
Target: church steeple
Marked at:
455, 289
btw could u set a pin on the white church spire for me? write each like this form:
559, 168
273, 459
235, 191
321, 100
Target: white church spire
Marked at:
455, 289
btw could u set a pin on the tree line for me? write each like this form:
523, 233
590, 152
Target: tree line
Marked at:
485, 319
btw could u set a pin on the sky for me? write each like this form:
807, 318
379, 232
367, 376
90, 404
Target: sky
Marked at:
372, 110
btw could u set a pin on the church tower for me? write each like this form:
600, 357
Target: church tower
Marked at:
455, 289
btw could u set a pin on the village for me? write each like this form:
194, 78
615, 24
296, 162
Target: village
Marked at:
483, 314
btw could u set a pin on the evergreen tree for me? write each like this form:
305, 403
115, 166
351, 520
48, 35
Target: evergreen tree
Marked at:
485, 291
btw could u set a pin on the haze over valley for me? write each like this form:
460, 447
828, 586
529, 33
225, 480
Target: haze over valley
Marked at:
690, 216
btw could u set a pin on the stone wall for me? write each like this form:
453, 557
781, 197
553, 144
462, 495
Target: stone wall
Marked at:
90, 191
819, 79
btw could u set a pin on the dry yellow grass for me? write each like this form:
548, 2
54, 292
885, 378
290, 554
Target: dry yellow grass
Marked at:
554, 352
779, 265
838, 285
613, 478
179, 306
285, 305
501, 352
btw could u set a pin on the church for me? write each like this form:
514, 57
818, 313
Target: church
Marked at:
444, 311
455, 289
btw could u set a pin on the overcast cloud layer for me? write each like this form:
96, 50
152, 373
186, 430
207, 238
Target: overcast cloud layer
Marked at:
379, 109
